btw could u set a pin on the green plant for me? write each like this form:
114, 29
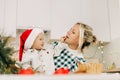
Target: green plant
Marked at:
7, 64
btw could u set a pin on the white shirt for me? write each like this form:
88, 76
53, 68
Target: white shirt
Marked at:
39, 60
65, 57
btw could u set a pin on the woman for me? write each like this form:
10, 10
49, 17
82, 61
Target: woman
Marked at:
68, 52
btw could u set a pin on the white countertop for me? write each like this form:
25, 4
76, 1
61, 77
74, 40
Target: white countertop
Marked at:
102, 76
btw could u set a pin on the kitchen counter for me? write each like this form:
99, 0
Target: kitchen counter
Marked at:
102, 76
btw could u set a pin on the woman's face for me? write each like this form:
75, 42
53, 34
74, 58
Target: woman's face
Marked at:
39, 42
72, 36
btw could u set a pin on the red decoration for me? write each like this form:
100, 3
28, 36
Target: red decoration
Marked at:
26, 71
62, 71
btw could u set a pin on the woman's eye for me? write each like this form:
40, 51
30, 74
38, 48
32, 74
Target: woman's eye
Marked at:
40, 39
73, 32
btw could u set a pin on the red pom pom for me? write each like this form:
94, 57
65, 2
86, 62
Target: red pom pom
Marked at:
26, 71
62, 71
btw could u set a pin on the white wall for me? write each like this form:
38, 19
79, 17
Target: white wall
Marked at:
114, 15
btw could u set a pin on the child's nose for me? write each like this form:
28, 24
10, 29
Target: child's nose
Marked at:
42, 41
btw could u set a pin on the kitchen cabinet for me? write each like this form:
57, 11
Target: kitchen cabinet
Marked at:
64, 15
33, 12
94, 13
8, 17
114, 13
60, 15
1, 14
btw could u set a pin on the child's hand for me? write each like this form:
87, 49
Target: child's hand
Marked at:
63, 39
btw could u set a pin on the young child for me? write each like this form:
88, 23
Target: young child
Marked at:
32, 55
68, 52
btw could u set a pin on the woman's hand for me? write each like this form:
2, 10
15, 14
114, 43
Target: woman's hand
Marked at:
63, 39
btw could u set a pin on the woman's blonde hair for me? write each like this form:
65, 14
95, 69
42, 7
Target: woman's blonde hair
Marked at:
86, 36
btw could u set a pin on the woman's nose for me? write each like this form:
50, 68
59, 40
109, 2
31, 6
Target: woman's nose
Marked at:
69, 32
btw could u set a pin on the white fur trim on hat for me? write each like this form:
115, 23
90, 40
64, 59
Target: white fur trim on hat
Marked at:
29, 41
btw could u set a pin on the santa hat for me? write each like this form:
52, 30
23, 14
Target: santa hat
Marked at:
27, 38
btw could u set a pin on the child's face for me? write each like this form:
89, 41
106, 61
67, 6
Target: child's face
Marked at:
39, 42
72, 36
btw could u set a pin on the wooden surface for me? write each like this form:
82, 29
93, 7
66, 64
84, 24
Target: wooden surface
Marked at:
112, 71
